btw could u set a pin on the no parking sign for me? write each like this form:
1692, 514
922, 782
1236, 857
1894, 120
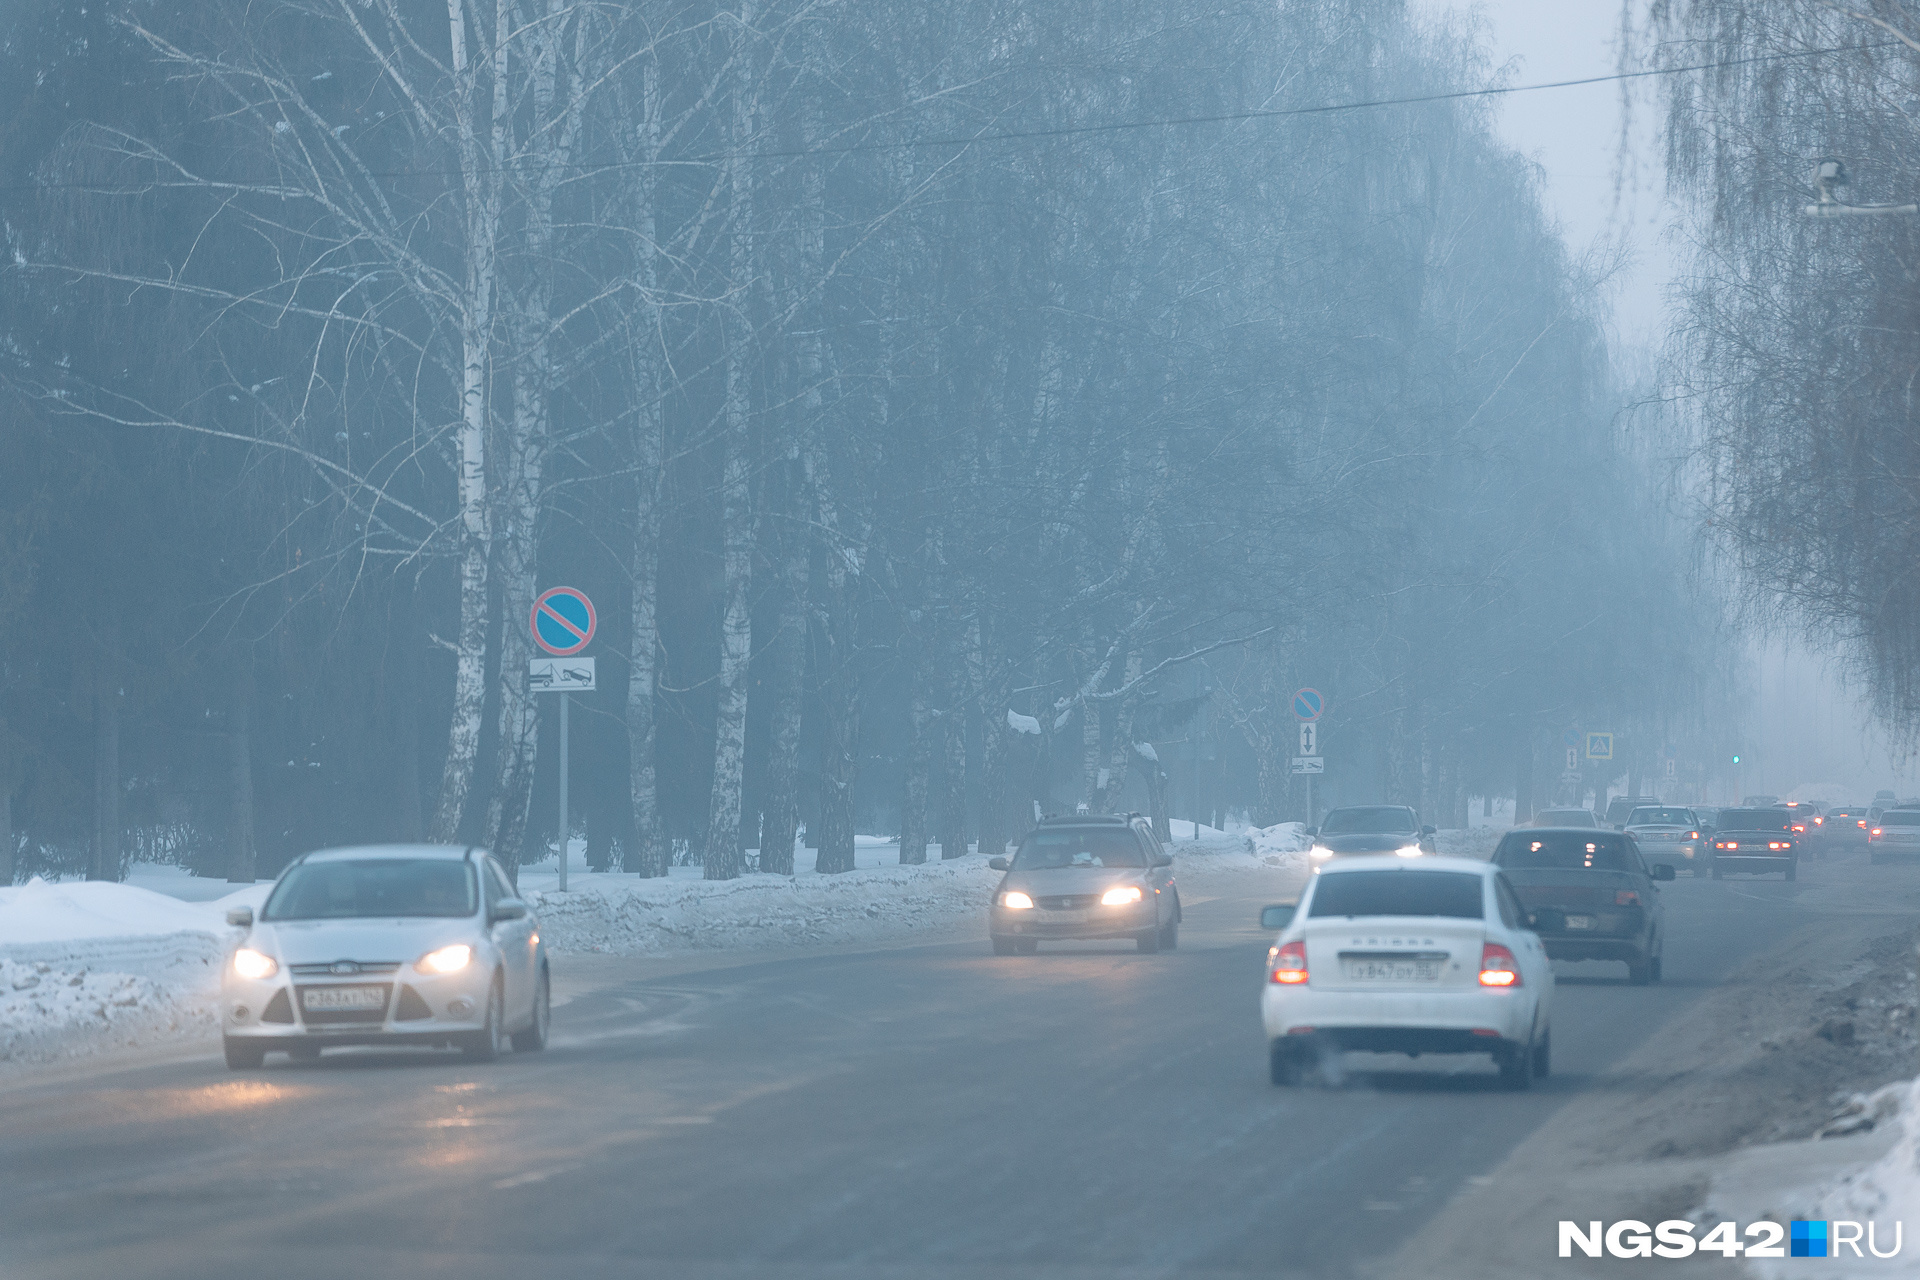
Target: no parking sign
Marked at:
563, 621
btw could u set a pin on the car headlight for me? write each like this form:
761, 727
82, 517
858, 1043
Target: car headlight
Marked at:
1321, 851
249, 963
446, 960
1409, 851
1121, 895
1017, 900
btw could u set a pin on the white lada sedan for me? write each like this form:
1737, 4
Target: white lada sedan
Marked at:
386, 944
1430, 956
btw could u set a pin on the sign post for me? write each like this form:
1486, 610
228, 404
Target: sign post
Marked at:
1308, 704
563, 624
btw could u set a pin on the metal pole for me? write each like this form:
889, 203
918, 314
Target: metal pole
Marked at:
564, 700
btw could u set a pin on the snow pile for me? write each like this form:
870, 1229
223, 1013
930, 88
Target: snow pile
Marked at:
624, 915
1469, 842
48, 1013
1283, 845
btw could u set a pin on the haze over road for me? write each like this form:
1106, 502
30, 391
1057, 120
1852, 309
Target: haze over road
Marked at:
928, 1111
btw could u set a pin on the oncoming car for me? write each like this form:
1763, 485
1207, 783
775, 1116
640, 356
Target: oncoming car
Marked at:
1429, 956
1088, 876
1371, 828
386, 944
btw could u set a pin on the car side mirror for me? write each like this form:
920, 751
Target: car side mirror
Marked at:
1429, 831
241, 916
1278, 916
1551, 919
997, 864
1661, 871
1313, 831
507, 909
1162, 859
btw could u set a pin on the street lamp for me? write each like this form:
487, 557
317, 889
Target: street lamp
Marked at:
1829, 173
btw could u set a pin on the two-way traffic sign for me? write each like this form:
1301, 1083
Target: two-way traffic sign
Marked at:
1309, 738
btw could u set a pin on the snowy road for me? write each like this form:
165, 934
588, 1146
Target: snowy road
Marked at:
922, 1111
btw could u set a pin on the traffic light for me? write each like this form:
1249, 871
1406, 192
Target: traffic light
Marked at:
1736, 759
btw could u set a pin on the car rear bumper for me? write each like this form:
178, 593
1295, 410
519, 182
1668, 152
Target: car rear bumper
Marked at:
1564, 947
1758, 863
1462, 1011
1408, 1040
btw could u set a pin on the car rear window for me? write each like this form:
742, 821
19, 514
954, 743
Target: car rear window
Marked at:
1397, 893
1563, 818
1755, 819
1660, 818
1900, 818
1522, 851
374, 888
1079, 847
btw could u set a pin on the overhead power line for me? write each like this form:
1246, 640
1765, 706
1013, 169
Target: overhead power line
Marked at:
1025, 135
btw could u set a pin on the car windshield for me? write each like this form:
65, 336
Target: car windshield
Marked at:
1900, 818
1525, 851
1080, 847
1755, 820
1374, 820
374, 887
1397, 893
1660, 818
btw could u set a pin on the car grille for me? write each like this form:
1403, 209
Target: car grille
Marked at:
1068, 901
328, 970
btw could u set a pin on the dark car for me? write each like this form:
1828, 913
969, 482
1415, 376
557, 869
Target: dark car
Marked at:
1370, 828
1088, 876
1760, 841
1847, 827
1591, 895
1805, 818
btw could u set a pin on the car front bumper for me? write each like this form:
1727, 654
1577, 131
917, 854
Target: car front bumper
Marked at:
420, 1009
1085, 922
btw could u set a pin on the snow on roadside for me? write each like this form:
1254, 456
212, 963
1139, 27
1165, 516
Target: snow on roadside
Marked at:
1283, 845
47, 1014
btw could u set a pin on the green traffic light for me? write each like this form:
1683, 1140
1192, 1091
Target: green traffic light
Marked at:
1736, 759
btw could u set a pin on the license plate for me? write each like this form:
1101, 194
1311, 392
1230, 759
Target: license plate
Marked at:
343, 999
1581, 922
1392, 970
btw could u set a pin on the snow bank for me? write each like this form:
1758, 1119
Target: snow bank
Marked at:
1470, 842
624, 915
48, 1014
1282, 845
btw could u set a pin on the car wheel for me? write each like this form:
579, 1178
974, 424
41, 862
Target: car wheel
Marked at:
1516, 1067
305, 1053
1005, 946
534, 1038
1793, 870
489, 1042
1543, 1054
1284, 1064
1640, 972
1653, 968
242, 1056
1170, 936
1149, 942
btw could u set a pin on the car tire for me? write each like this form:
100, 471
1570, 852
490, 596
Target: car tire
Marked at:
1005, 946
242, 1056
534, 1038
1284, 1065
1793, 870
1170, 936
489, 1042
1640, 972
1653, 967
1148, 942
1543, 1055
1516, 1067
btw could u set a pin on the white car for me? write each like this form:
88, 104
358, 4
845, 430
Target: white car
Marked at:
1896, 835
1398, 956
386, 944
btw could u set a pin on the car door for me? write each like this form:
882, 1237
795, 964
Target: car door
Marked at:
1159, 879
1649, 892
514, 938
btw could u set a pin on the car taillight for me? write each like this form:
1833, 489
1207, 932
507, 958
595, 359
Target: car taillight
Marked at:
1799, 828
1862, 823
1726, 844
1693, 835
1497, 968
1290, 963
1626, 898
1819, 822
1779, 844
1873, 834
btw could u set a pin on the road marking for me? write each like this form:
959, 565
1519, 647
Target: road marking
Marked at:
537, 1175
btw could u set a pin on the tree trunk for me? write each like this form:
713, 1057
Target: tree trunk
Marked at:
720, 859
1522, 778
240, 841
953, 766
994, 797
839, 719
786, 682
6, 830
105, 862
648, 853
918, 763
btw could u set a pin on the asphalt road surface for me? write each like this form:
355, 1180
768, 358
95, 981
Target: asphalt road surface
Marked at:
930, 1111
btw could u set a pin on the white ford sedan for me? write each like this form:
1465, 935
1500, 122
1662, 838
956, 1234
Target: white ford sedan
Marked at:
386, 944
1387, 955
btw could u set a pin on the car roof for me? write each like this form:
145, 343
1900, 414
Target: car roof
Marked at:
1394, 862
1090, 820
1588, 832
351, 853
